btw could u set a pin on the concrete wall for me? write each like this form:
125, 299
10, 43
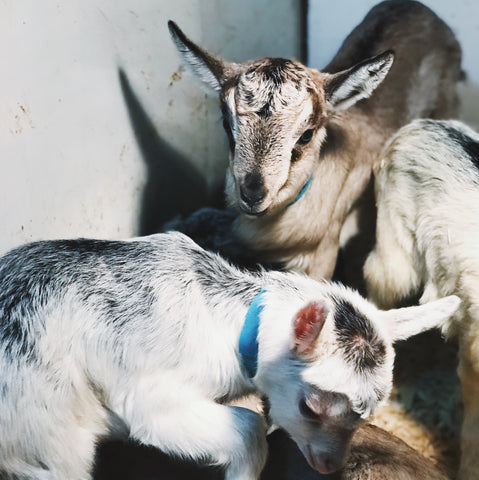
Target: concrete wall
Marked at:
330, 22
102, 134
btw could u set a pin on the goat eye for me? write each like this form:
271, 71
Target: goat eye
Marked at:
306, 411
306, 137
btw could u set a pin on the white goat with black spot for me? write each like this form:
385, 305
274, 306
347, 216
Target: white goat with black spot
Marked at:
148, 337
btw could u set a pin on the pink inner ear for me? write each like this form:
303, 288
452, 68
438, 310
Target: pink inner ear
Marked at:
307, 326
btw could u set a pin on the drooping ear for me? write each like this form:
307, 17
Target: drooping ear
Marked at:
308, 324
345, 88
212, 70
405, 322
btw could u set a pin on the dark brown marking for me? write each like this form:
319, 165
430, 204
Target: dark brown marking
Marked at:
296, 154
357, 337
265, 110
276, 70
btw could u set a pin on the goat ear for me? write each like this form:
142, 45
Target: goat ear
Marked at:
212, 70
308, 323
406, 322
345, 88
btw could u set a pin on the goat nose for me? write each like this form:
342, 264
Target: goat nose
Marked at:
252, 189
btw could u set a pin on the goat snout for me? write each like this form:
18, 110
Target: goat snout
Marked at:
325, 466
252, 189
322, 462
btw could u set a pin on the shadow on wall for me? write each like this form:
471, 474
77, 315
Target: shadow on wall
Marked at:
174, 185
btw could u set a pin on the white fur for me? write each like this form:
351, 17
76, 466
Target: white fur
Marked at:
427, 192
140, 338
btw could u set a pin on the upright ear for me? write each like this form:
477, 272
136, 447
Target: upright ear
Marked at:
308, 324
212, 70
345, 88
405, 322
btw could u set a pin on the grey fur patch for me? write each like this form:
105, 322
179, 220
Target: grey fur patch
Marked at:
207, 273
4, 390
212, 229
42, 272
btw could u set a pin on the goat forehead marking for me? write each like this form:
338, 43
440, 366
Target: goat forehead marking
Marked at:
271, 84
358, 338
276, 70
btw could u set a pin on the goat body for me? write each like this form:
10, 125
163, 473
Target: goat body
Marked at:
303, 142
141, 338
427, 242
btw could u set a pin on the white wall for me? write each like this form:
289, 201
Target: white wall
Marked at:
330, 22
85, 151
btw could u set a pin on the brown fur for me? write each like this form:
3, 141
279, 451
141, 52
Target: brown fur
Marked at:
375, 455
267, 105
426, 66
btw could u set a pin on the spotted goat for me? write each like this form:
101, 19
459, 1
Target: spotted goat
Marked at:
427, 243
148, 337
303, 142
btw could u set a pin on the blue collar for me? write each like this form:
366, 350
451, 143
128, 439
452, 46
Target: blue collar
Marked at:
302, 191
248, 341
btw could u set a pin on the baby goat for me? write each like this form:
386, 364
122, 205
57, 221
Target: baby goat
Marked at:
303, 142
427, 242
148, 337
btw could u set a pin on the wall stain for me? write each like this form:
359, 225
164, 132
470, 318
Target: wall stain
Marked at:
176, 77
22, 120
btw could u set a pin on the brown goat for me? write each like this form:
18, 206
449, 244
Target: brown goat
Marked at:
303, 142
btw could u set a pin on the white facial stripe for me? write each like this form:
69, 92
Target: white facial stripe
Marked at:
303, 121
230, 102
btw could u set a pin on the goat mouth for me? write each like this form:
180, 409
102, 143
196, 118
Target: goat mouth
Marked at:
252, 212
323, 468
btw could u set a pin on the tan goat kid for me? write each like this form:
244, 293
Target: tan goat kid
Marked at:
303, 142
